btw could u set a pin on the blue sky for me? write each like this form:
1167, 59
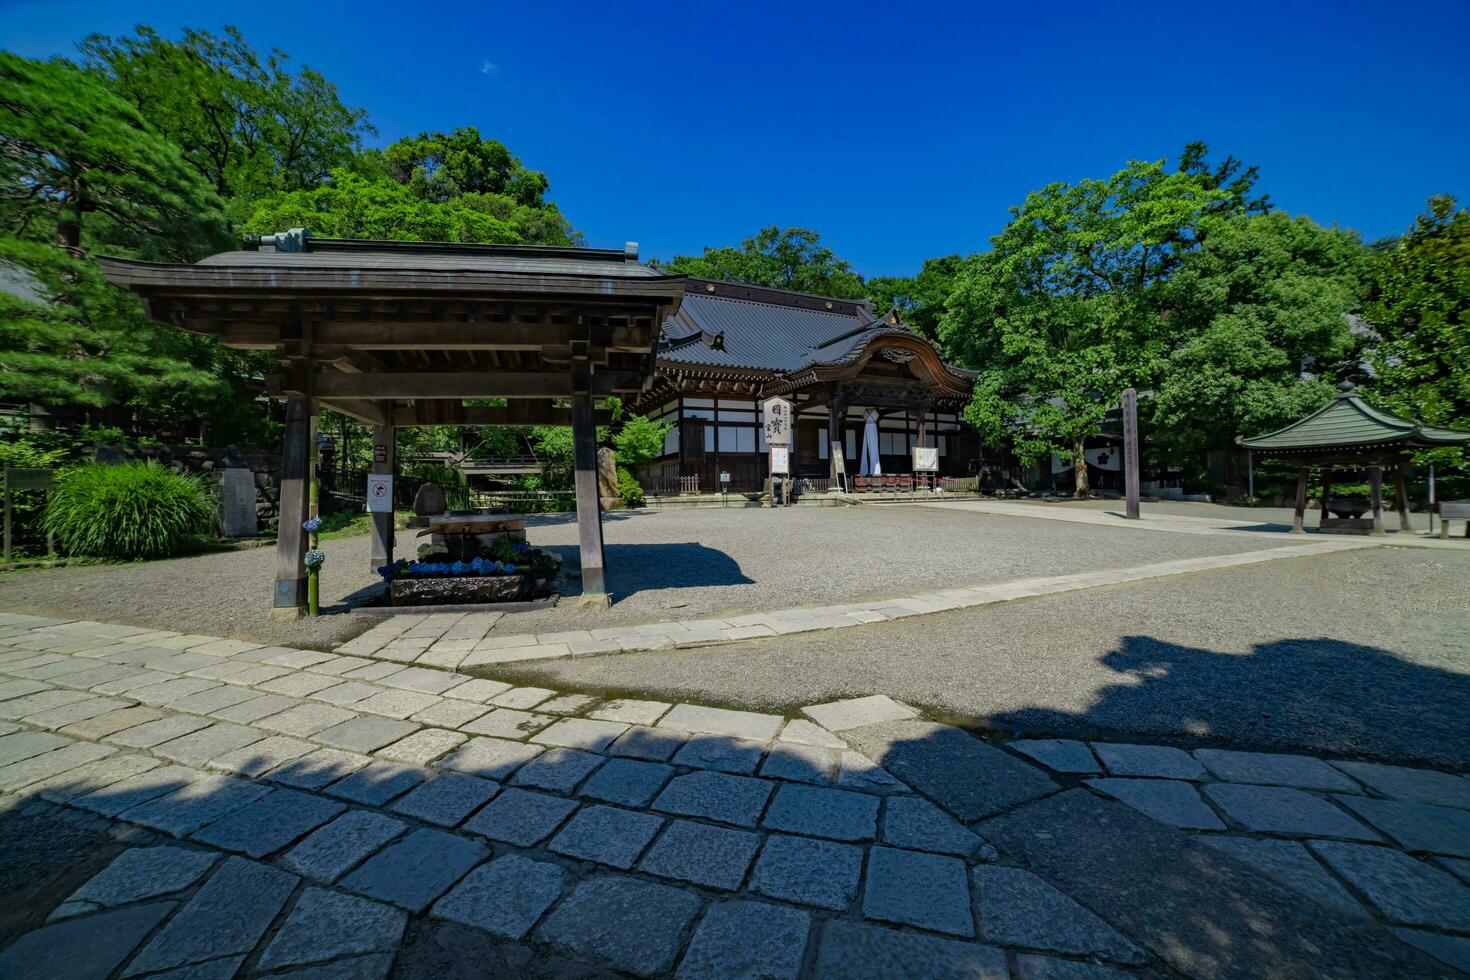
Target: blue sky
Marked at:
898, 131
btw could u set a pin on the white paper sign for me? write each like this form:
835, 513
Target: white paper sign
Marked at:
926, 459
778, 420
839, 463
780, 461
380, 493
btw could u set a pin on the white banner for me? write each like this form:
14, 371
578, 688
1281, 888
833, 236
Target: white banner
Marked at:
776, 414
780, 461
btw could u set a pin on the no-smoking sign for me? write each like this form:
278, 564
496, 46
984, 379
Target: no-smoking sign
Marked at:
380, 493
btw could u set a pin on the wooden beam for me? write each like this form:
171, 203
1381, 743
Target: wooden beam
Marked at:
451, 335
370, 413
1300, 512
414, 385
518, 412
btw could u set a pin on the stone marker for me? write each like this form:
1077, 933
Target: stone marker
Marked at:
237, 503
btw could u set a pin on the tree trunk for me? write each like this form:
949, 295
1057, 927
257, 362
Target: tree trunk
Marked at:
1079, 471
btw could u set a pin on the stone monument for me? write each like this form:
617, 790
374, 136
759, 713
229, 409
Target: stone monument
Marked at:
237, 503
607, 479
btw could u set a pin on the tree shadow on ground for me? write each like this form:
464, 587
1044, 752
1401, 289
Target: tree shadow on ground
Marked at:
1319, 694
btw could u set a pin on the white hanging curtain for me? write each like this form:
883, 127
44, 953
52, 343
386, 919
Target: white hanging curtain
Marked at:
870, 466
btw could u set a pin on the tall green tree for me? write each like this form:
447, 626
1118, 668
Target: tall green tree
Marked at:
782, 258
920, 299
1064, 312
249, 124
82, 167
1261, 310
440, 166
1419, 304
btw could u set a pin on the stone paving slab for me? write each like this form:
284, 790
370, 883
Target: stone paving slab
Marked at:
831, 813
1058, 754
520, 817
822, 874
918, 889
716, 857
608, 835
1406, 890
1016, 908
446, 799
1282, 810
746, 939
1413, 785
716, 796
326, 925
334, 849
857, 951
633, 925
967, 777
226, 916
504, 897
1300, 771
1416, 826
1185, 902
1290, 863
270, 823
838, 716
417, 869
1158, 761
1171, 801
138, 874
918, 825
87, 948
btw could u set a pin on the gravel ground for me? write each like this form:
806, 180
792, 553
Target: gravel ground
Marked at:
673, 564
1361, 653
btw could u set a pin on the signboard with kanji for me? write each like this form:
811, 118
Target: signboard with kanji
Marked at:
926, 459
778, 421
780, 460
839, 463
380, 493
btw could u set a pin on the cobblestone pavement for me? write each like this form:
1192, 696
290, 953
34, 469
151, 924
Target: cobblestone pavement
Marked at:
297, 813
460, 641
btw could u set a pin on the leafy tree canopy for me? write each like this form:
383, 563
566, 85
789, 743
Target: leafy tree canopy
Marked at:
440, 166
1262, 306
109, 181
249, 124
919, 299
1063, 313
353, 207
640, 440
782, 258
1419, 304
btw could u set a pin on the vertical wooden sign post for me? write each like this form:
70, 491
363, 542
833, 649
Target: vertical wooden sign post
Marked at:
1130, 451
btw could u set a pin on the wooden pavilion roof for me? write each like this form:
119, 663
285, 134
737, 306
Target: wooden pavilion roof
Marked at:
1349, 428
404, 332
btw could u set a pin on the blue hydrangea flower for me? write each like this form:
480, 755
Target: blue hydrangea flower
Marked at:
386, 571
459, 568
509, 568
312, 524
520, 547
315, 558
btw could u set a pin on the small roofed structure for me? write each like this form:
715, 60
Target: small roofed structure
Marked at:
405, 333
1348, 433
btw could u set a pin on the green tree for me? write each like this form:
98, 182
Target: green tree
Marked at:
440, 166
249, 125
1419, 304
1063, 313
74, 339
1262, 308
782, 258
919, 299
82, 167
351, 206
640, 440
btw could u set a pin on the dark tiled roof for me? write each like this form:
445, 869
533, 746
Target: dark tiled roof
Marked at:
764, 330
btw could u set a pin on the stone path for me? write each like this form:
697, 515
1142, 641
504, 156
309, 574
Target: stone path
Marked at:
454, 640
309, 814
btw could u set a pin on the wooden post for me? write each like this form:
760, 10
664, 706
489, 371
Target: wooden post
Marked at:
1130, 452
384, 457
290, 596
8, 507
589, 507
1401, 491
1326, 493
1375, 484
1431, 498
1301, 502
1250, 474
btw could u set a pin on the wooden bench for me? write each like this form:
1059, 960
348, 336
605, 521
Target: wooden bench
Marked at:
1449, 510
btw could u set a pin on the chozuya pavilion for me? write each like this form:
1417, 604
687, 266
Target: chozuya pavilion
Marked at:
404, 333
844, 368
1349, 434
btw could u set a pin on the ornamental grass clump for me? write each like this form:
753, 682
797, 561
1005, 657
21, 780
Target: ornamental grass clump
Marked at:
131, 510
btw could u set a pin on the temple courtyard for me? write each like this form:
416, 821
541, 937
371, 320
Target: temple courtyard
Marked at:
972, 740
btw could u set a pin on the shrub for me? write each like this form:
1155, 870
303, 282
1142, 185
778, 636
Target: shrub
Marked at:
133, 510
629, 489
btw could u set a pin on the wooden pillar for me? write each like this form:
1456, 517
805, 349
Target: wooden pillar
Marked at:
384, 457
290, 594
1301, 502
1130, 454
589, 507
1326, 493
1401, 491
1375, 485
